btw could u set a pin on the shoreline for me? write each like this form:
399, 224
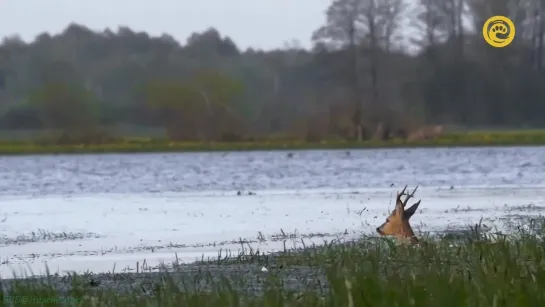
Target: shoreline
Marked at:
313, 274
300, 270
21, 149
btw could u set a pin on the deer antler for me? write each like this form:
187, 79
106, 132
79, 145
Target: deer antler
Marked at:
408, 196
398, 198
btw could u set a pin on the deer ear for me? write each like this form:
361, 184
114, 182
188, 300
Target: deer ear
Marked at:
411, 210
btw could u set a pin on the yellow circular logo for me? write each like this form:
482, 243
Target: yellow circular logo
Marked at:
498, 31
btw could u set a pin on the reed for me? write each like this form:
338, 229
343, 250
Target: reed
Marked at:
474, 270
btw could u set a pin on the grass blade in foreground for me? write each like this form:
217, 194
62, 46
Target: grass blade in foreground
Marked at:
473, 271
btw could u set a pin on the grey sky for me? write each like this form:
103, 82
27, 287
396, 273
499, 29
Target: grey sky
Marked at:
257, 23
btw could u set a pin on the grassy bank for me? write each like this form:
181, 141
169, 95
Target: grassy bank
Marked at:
133, 145
475, 271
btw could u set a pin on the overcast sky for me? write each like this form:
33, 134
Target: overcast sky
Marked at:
250, 23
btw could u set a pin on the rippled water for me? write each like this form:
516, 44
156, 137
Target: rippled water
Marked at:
87, 212
182, 172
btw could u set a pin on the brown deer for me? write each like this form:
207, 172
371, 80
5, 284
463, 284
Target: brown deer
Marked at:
426, 133
397, 224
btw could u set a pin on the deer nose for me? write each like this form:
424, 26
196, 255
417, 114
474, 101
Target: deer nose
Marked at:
378, 229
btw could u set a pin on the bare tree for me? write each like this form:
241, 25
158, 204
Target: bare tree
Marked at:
428, 22
440, 20
532, 29
353, 24
343, 29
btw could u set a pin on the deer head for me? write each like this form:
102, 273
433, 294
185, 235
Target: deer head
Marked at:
397, 224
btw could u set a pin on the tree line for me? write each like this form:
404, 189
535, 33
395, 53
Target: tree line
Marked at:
377, 69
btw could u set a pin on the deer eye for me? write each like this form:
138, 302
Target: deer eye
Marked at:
387, 220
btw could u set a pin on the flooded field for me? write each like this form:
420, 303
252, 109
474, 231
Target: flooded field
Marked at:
95, 212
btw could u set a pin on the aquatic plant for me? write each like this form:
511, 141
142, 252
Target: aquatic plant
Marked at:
476, 269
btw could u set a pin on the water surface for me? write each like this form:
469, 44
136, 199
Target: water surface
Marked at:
259, 170
89, 212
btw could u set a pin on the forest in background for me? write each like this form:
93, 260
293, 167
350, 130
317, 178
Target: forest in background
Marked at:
357, 82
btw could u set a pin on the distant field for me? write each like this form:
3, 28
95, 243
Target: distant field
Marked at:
154, 141
120, 131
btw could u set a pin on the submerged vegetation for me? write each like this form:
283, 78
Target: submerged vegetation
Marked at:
475, 269
476, 138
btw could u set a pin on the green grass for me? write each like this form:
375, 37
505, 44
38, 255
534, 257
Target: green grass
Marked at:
476, 271
130, 145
